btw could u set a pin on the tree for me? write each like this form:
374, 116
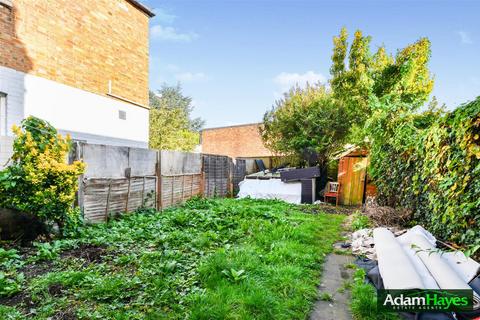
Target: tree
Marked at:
402, 80
306, 123
171, 125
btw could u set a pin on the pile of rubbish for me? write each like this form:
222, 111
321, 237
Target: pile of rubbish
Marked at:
384, 215
410, 259
362, 242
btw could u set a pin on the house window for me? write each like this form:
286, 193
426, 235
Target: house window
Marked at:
3, 114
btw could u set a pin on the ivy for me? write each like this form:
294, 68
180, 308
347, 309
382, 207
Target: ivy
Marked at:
429, 162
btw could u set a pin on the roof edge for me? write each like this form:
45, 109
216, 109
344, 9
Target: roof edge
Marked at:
233, 126
140, 6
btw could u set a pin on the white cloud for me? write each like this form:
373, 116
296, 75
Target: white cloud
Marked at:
163, 16
171, 34
172, 67
465, 37
287, 80
190, 77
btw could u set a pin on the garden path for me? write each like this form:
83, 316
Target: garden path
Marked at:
335, 276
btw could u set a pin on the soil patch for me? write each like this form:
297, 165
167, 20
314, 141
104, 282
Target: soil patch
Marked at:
88, 252
22, 298
36, 269
64, 315
55, 289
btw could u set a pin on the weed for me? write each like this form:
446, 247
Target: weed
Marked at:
346, 285
208, 259
10, 285
46, 251
360, 221
343, 252
234, 275
325, 296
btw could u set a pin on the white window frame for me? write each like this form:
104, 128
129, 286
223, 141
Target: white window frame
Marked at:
3, 114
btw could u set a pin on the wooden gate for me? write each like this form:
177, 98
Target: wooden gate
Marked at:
351, 175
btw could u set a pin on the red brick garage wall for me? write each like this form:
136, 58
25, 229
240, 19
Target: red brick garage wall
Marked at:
235, 141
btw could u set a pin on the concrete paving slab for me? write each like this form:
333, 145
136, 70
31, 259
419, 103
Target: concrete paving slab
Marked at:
334, 277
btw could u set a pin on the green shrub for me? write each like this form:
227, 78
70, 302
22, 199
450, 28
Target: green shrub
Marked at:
39, 180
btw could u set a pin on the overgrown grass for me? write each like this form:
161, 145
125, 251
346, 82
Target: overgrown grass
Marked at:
209, 259
364, 300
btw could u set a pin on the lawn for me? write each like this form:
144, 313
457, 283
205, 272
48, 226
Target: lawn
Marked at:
209, 259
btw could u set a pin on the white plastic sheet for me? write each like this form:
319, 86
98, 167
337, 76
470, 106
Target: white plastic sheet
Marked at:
271, 189
444, 275
464, 267
450, 270
395, 267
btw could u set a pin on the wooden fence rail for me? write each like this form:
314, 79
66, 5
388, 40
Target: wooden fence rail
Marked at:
122, 179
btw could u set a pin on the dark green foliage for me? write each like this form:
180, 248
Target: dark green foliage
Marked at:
306, 123
430, 164
209, 259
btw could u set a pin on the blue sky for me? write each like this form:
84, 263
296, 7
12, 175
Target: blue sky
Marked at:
234, 58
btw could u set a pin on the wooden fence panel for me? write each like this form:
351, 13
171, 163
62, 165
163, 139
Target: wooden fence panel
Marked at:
122, 179
116, 180
180, 174
217, 179
104, 197
179, 188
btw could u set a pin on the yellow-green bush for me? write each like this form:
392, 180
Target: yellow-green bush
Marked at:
39, 180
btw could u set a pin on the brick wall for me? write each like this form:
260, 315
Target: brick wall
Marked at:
83, 44
235, 141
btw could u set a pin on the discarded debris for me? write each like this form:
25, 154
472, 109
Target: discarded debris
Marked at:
363, 243
385, 216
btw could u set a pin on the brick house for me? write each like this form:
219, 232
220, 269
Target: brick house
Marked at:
239, 141
81, 65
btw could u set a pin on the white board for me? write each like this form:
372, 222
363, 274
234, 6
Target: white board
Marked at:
271, 189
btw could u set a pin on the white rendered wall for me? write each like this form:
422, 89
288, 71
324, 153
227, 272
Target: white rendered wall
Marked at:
12, 83
72, 110
6, 150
